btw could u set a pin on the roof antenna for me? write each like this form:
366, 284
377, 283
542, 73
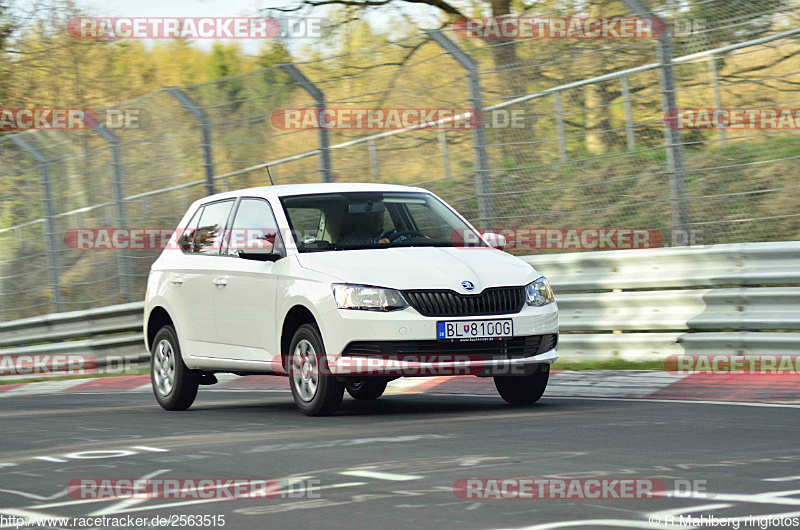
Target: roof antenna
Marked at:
270, 176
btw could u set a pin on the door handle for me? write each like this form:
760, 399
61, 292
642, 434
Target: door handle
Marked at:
177, 280
220, 282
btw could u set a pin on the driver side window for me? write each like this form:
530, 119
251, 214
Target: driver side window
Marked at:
429, 223
254, 221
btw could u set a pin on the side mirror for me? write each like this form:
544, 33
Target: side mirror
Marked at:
497, 241
255, 249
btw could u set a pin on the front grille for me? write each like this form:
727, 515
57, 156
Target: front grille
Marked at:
494, 301
515, 347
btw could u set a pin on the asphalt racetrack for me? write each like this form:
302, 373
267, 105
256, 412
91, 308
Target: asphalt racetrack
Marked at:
395, 462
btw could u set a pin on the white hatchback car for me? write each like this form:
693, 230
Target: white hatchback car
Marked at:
342, 286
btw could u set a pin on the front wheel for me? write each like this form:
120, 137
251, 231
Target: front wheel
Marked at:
174, 385
316, 392
366, 389
523, 390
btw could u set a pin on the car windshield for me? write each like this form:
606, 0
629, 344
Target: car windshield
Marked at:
361, 220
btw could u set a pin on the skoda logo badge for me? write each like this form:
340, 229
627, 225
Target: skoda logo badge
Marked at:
469, 286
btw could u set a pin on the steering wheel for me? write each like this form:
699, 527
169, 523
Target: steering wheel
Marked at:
406, 233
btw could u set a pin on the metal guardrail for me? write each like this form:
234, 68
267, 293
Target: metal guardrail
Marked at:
114, 331
740, 264
648, 304
658, 346
628, 304
750, 308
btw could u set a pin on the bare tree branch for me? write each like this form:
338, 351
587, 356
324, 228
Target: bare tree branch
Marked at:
439, 4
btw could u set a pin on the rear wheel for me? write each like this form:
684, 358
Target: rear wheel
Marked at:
523, 390
316, 392
366, 389
174, 385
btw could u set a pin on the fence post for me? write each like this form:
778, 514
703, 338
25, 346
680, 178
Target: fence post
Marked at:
479, 140
712, 70
442, 135
50, 222
123, 258
676, 165
325, 166
373, 160
562, 139
626, 104
205, 130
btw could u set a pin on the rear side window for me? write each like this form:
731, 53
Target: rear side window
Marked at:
187, 237
208, 237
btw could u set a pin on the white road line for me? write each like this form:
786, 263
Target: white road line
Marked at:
74, 503
204, 501
782, 479
617, 523
645, 399
34, 496
368, 473
701, 508
127, 503
771, 497
30, 516
126, 497
648, 400
44, 387
405, 385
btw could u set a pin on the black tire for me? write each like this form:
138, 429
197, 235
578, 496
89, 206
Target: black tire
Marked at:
524, 389
183, 390
328, 391
366, 389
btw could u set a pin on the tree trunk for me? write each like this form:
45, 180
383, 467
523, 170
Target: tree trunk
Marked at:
512, 142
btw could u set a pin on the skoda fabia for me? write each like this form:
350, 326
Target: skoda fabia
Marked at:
342, 287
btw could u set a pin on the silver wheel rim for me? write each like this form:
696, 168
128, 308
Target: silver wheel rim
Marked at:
305, 371
164, 367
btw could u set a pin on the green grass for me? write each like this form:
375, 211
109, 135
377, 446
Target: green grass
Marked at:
608, 364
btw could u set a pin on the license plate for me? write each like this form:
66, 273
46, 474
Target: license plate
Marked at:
474, 329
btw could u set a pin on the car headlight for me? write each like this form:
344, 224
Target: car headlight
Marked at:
538, 293
367, 298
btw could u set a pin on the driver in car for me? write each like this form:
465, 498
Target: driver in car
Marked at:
369, 231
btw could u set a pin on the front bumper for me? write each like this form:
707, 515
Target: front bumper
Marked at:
342, 329
441, 366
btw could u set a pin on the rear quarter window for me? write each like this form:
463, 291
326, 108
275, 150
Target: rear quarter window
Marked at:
187, 237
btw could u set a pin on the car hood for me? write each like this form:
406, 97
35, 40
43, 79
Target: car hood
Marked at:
423, 267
